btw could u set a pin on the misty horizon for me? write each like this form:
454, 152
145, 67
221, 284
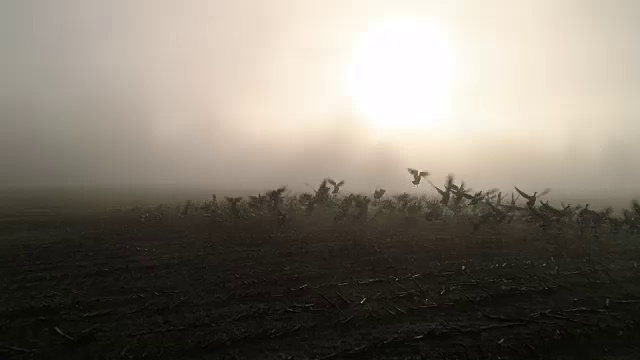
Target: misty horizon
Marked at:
250, 95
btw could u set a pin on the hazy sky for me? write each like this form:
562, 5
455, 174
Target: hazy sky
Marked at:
252, 93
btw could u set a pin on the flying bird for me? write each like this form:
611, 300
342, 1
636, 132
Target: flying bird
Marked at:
449, 187
531, 199
444, 194
475, 198
336, 186
417, 175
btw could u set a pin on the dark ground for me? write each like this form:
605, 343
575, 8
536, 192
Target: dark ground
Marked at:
107, 285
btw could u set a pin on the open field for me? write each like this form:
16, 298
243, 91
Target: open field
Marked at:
108, 285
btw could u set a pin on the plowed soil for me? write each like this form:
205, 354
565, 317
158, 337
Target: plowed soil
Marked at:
108, 285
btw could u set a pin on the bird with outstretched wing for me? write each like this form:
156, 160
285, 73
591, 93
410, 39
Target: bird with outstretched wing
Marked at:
531, 199
336, 185
444, 194
418, 175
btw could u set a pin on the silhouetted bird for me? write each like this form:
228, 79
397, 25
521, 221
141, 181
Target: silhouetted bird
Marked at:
336, 186
531, 199
417, 175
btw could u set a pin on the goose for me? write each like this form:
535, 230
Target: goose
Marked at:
336, 185
417, 175
531, 199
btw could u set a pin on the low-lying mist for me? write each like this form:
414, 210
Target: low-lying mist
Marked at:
234, 97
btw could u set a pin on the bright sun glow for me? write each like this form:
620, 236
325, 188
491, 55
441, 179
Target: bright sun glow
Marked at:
401, 74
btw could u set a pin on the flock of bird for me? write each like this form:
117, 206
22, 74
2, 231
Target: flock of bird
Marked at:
457, 203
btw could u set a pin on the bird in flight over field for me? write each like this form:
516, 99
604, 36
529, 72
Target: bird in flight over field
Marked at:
417, 175
336, 185
531, 199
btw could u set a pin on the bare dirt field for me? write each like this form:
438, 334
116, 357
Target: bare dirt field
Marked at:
106, 285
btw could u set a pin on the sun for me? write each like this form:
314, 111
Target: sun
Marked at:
401, 74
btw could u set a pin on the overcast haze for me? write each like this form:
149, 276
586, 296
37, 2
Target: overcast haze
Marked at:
251, 94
